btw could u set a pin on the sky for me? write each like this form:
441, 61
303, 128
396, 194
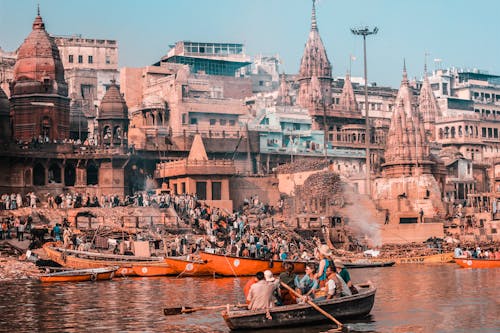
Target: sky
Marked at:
459, 33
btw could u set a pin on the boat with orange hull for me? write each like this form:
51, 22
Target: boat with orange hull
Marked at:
478, 263
153, 269
80, 275
242, 266
439, 258
189, 267
89, 260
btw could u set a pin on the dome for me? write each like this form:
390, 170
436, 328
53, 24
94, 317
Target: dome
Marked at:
38, 67
113, 104
4, 103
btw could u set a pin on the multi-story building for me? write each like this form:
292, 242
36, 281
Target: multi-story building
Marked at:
90, 65
7, 62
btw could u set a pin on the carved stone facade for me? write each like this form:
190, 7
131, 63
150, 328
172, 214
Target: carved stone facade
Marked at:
315, 73
112, 120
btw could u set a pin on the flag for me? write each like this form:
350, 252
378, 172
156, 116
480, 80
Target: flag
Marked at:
353, 57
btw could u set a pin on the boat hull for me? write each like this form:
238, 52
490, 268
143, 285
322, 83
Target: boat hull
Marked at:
160, 269
183, 267
355, 306
80, 275
241, 266
478, 263
125, 268
440, 258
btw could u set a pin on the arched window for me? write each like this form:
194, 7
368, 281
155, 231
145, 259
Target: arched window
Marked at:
27, 177
117, 132
54, 173
453, 132
38, 175
106, 133
69, 175
459, 131
92, 174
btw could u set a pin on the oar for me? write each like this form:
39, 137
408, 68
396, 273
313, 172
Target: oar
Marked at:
314, 305
186, 309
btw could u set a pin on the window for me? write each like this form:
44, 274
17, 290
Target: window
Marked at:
183, 188
212, 121
193, 121
70, 58
222, 122
91, 59
184, 122
108, 60
80, 59
86, 90
201, 190
232, 122
216, 191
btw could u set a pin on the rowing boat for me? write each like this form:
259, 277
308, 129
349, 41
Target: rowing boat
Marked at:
478, 263
226, 265
188, 267
368, 264
88, 260
79, 275
355, 306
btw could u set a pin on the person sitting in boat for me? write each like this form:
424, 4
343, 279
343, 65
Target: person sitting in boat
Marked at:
335, 287
324, 254
260, 294
308, 284
288, 278
458, 253
344, 274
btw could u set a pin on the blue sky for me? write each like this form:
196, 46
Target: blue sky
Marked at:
462, 33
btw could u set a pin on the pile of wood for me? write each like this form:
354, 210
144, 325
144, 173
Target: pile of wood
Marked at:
302, 166
322, 184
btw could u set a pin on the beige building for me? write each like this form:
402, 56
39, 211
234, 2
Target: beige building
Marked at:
90, 65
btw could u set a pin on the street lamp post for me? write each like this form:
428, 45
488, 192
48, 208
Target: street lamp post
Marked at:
366, 32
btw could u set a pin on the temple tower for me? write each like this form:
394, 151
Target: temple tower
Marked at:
347, 100
407, 148
314, 63
284, 98
112, 120
39, 94
429, 108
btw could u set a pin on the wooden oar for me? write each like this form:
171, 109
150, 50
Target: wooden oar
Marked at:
314, 305
186, 309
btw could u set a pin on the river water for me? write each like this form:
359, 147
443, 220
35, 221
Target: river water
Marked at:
410, 298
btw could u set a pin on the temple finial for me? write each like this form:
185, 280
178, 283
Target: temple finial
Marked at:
38, 9
314, 24
405, 74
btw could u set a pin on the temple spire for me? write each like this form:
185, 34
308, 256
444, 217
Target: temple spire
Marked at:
314, 24
405, 74
38, 9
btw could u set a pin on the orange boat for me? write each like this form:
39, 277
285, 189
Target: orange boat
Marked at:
187, 267
79, 275
89, 260
154, 269
478, 263
240, 266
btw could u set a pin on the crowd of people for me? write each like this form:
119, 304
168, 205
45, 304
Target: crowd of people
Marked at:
16, 200
477, 253
327, 280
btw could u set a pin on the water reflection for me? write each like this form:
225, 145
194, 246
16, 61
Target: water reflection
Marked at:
412, 298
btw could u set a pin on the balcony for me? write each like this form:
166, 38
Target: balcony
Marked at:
194, 167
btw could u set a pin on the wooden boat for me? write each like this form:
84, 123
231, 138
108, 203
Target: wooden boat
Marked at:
153, 269
79, 275
188, 267
478, 263
240, 266
354, 306
87, 260
439, 258
368, 264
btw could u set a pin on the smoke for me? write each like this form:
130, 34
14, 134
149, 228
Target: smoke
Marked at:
360, 214
150, 184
